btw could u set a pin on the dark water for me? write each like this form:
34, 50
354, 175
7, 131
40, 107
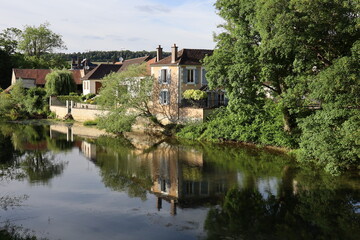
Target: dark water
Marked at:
56, 185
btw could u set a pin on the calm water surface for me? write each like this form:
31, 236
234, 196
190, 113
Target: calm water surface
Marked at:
55, 184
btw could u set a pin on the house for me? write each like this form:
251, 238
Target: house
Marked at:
93, 81
181, 71
36, 77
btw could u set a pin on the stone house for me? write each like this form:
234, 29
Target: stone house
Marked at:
175, 74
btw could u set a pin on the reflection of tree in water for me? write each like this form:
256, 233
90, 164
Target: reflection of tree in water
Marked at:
41, 167
120, 169
315, 214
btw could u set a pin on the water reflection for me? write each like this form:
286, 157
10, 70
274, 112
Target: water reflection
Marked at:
247, 193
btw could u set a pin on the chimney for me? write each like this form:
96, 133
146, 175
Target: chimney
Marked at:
174, 51
159, 54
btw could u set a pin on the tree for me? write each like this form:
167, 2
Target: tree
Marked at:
9, 40
60, 82
36, 41
127, 94
279, 47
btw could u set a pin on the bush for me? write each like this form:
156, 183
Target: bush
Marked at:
116, 122
69, 98
194, 94
91, 122
263, 127
88, 96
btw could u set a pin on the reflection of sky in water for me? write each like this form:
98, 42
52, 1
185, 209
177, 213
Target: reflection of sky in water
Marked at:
77, 205
268, 186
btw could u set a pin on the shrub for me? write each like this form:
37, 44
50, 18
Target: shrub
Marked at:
69, 98
91, 122
88, 96
194, 94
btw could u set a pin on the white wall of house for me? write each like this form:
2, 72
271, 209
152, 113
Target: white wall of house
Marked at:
89, 86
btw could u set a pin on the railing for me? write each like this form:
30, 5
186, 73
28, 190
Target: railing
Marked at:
203, 103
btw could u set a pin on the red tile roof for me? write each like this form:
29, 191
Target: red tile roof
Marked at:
39, 75
186, 57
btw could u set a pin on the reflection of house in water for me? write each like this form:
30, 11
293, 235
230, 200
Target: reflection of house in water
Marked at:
179, 178
89, 150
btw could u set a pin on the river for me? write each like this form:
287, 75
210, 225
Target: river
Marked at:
59, 183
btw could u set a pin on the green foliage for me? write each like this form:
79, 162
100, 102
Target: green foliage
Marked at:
194, 94
88, 96
22, 103
91, 122
109, 56
69, 98
127, 95
36, 41
264, 128
298, 53
59, 82
116, 122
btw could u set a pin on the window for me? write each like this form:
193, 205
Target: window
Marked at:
191, 76
164, 76
164, 97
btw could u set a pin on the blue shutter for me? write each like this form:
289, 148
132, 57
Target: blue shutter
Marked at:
168, 97
196, 76
159, 77
160, 97
185, 75
168, 76
204, 81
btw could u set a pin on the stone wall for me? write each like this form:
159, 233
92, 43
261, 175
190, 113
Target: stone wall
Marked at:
79, 114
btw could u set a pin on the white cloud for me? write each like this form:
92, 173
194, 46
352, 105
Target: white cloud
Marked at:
118, 24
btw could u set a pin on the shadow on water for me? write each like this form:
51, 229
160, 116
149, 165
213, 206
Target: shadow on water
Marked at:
250, 193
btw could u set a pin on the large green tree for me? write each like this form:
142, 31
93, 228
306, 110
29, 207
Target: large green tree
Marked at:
278, 47
36, 41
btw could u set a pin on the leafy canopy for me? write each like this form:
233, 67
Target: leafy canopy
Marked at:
60, 82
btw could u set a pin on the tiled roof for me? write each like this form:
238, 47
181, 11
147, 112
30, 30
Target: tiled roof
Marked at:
186, 57
101, 71
132, 61
39, 75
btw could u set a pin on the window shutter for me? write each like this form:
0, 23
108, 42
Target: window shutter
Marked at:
168, 76
159, 77
196, 76
185, 75
168, 97
160, 97
204, 81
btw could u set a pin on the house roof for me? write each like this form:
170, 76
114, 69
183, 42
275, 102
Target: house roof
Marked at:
104, 69
132, 61
39, 75
186, 57
101, 71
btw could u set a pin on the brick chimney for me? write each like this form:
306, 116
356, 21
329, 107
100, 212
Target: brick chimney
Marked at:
174, 51
159, 53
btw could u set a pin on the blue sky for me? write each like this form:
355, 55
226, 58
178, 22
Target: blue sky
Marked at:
118, 24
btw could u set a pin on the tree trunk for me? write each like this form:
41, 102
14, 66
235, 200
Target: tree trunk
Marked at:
288, 123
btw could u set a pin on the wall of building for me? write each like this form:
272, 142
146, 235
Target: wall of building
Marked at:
79, 114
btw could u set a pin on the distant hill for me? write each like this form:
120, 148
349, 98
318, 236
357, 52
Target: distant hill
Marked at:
108, 56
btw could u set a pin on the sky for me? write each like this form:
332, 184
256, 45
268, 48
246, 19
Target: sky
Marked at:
118, 24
